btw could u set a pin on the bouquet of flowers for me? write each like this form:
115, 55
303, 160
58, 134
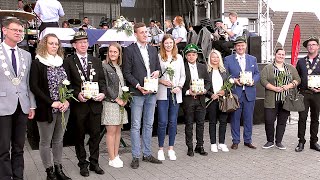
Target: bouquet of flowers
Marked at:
126, 96
280, 78
64, 94
227, 87
122, 24
170, 72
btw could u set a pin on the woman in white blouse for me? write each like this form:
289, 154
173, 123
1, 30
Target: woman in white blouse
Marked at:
179, 33
169, 94
217, 75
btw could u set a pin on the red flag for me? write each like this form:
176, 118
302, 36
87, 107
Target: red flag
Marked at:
295, 48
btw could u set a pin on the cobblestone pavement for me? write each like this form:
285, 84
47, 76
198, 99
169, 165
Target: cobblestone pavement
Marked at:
243, 163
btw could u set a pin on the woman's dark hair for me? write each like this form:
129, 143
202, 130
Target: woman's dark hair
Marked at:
279, 49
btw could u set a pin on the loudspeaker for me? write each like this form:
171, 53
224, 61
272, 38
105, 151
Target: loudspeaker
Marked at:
254, 47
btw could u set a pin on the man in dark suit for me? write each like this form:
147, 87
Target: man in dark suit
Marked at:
141, 60
17, 101
81, 68
193, 104
234, 64
306, 66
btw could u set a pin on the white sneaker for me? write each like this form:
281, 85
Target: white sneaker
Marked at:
161, 155
115, 163
223, 147
214, 148
172, 155
119, 160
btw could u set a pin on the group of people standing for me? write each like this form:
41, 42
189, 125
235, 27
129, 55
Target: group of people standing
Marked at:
32, 88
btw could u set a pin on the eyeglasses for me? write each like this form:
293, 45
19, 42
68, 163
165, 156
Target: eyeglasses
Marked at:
310, 45
52, 43
16, 30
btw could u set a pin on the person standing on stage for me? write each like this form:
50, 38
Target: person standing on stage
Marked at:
309, 65
17, 102
81, 69
49, 12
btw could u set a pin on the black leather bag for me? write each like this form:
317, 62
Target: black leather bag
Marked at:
294, 101
229, 103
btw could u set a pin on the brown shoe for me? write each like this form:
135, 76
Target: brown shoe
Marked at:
250, 145
234, 146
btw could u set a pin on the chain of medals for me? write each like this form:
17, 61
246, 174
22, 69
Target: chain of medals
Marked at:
15, 80
310, 70
92, 73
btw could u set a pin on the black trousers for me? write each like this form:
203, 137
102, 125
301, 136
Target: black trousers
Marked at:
87, 122
181, 46
270, 116
310, 101
12, 136
44, 25
215, 115
194, 111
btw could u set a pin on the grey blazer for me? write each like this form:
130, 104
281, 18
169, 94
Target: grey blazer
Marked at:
267, 76
10, 94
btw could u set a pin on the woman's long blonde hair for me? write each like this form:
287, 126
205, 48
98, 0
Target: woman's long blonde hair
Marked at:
42, 47
118, 46
221, 66
163, 53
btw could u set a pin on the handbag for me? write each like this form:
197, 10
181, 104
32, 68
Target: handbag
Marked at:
294, 101
229, 103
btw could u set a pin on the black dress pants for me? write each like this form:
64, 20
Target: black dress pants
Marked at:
215, 115
270, 116
87, 122
194, 111
311, 101
12, 136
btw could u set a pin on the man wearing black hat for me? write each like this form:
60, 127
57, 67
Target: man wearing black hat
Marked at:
306, 66
84, 69
237, 64
194, 105
219, 35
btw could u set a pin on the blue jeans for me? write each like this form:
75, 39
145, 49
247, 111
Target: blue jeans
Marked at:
167, 112
146, 105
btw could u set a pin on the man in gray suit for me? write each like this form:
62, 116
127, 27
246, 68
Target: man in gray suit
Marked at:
17, 103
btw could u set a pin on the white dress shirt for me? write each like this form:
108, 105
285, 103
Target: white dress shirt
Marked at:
237, 29
180, 32
80, 56
9, 53
145, 56
193, 71
49, 10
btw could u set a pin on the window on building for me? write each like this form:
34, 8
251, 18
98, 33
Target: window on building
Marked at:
252, 25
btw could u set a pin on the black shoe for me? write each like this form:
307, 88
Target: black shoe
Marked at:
190, 152
200, 150
96, 168
300, 147
59, 173
135, 163
50, 174
250, 145
315, 146
151, 159
84, 171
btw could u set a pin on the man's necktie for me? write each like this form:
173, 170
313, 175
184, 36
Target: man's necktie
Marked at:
84, 64
14, 61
